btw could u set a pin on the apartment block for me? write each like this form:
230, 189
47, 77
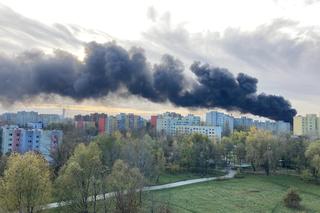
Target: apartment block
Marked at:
175, 124
21, 140
308, 125
226, 122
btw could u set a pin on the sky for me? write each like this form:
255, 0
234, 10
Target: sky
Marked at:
276, 41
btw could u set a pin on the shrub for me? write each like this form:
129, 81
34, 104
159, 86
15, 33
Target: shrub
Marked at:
306, 176
292, 199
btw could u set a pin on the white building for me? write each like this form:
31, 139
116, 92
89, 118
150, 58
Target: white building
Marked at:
209, 131
175, 124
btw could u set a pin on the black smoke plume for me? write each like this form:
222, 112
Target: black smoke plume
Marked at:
108, 67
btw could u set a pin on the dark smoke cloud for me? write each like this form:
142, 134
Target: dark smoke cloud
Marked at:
109, 67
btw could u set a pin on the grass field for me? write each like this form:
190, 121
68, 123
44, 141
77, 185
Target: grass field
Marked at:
249, 194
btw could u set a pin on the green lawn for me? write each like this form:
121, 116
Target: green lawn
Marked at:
249, 194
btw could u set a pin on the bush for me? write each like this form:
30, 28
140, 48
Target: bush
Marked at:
306, 176
292, 199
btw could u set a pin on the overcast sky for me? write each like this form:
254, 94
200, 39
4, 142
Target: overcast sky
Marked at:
276, 41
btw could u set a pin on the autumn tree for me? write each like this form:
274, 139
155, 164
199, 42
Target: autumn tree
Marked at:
26, 184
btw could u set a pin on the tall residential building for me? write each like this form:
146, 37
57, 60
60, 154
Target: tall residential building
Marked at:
15, 139
308, 125
226, 122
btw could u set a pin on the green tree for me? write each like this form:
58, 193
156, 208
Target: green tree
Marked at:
262, 150
293, 153
110, 147
80, 178
200, 153
313, 155
26, 183
125, 182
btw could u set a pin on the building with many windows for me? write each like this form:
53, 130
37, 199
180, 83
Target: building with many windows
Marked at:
308, 125
124, 122
21, 140
174, 124
220, 119
209, 131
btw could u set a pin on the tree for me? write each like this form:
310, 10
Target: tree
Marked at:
26, 183
200, 153
293, 153
262, 150
125, 182
110, 147
144, 154
80, 178
313, 155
